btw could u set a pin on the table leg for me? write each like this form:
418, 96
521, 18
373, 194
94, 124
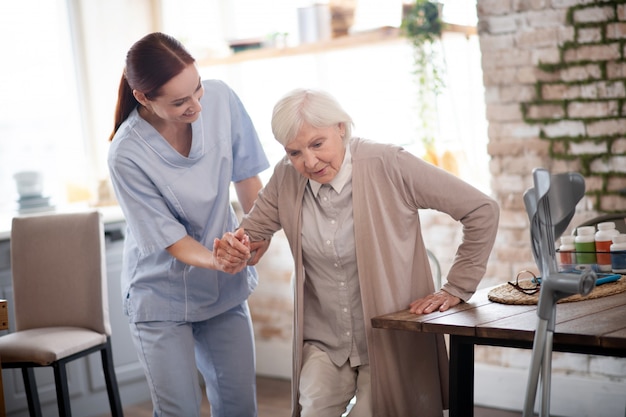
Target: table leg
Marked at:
461, 377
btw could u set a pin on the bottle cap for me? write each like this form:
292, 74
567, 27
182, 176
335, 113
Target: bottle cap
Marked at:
619, 238
606, 226
586, 230
568, 240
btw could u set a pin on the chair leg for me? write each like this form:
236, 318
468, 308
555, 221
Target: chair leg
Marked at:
63, 393
111, 380
32, 396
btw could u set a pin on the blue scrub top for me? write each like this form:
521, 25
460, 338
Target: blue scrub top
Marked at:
166, 196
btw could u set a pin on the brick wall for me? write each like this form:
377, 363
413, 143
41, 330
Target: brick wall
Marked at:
555, 89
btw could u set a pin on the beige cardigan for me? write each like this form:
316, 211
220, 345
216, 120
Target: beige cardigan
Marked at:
409, 370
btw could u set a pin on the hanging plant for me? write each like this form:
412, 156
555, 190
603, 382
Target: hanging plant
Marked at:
422, 25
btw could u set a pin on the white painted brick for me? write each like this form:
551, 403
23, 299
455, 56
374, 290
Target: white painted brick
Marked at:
588, 35
587, 148
593, 14
536, 38
612, 203
498, 77
547, 18
508, 57
509, 183
526, 75
502, 24
616, 70
592, 109
526, 5
546, 76
560, 92
560, 165
564, 128
594, 183
493, 7
581, 73
522, 166
619, 146
503, 148
504, 112
593, 53
546, 111
616, 184
489, 42
517, 93
513, 130
621, 11
603, 89
616, 30
614, 164
606, 127
546, 55
566, 34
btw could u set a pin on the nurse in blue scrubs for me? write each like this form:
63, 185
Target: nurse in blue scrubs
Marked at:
178, 143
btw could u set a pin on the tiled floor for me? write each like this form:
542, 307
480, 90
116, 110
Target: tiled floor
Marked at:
274, 401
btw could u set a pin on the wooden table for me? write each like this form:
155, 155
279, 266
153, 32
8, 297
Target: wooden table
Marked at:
595, 327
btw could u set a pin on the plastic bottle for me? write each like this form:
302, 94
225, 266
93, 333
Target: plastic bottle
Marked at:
585, 244
618, 254
567, 254
604, 239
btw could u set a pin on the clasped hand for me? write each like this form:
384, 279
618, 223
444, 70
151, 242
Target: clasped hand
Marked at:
234, 251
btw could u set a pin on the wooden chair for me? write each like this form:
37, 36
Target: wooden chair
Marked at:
60, 302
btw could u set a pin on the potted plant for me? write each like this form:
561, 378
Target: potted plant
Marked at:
422, 25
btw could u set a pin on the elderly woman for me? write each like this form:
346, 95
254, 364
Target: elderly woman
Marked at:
349, 208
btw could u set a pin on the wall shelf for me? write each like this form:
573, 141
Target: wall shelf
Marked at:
380, 35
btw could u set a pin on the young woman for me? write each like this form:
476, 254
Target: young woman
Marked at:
177, 145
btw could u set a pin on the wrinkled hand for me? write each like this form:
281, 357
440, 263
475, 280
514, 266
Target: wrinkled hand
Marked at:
232, 251
258, 248
439, 301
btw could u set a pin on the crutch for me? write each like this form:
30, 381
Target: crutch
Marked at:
550, 206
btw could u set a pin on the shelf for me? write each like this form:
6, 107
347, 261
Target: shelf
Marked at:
380, 35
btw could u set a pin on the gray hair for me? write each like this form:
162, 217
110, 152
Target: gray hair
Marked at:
315, 107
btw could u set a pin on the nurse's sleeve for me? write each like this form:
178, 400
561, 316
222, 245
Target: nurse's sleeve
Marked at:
249, 159
147, 214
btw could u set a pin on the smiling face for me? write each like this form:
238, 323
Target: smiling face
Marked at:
317, 152
179, 99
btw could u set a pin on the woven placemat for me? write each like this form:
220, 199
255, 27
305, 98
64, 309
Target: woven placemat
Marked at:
507, 294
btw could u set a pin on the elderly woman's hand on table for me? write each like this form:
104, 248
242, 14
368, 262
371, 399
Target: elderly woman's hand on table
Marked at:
438, 301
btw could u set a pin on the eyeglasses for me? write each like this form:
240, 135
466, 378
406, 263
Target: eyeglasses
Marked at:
530, 286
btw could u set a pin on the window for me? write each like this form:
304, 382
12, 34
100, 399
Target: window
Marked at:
40, 123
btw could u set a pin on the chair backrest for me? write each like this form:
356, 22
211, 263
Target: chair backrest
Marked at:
59, 271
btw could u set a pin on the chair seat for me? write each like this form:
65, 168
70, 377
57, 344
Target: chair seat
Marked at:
46, 345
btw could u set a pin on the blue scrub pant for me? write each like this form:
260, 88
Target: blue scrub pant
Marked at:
221, 348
